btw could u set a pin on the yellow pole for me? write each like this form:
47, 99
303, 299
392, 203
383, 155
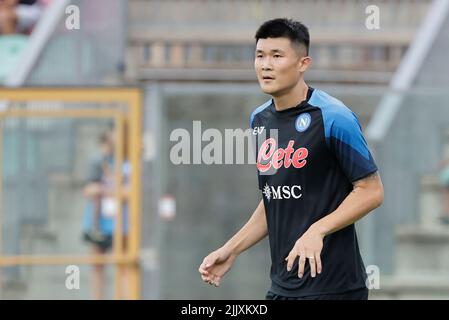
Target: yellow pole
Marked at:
68, 94
64, 259
135, 140
118, 226
72, 113
1, 201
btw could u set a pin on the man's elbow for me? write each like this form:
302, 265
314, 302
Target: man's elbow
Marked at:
378, 196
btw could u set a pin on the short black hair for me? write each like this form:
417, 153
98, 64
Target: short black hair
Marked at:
285, 28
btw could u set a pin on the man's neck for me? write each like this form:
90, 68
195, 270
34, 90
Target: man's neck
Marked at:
293, 98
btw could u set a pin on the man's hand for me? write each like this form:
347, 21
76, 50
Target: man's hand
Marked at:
309, 247
93, 189
216, 265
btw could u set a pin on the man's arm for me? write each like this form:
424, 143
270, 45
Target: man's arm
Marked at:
251, 233
92, 190
367, 195
217, 263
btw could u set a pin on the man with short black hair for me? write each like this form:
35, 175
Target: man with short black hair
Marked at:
317, 178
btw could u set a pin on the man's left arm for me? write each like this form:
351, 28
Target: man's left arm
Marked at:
366, 196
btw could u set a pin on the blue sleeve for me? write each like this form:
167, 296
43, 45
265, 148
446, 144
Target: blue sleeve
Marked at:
345, 140
258, 110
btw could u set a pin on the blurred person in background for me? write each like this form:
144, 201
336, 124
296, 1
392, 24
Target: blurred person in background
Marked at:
20, 16
99, 169
317, 179
101, 208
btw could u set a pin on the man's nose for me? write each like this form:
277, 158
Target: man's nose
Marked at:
266, 64
267, 67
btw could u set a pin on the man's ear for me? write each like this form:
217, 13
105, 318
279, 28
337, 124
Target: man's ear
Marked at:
304, 63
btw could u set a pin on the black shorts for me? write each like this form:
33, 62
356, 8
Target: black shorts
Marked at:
104, 244
359, 294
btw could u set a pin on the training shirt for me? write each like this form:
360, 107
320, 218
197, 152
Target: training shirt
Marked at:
304, 174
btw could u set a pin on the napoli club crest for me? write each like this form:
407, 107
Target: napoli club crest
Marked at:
303, 122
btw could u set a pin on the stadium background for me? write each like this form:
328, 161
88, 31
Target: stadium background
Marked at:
158, 66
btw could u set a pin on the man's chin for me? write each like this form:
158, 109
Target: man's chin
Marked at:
266, 90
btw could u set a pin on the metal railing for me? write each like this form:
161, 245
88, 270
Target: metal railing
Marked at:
120, 258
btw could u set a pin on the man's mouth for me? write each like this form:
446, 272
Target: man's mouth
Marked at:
267, 78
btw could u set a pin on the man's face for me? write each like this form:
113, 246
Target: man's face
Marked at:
107, 149
8, 3
278, 65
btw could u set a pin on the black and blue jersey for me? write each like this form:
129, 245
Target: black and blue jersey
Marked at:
308, 157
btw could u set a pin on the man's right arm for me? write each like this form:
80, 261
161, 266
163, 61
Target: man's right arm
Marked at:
251, 233
92, 188
218, 263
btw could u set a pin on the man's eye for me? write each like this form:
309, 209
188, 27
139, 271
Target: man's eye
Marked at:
259, 56
277, 56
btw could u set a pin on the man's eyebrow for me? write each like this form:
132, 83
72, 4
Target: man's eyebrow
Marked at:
273, 50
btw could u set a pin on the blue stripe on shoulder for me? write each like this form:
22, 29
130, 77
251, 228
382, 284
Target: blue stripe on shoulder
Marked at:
259, 109
338, 119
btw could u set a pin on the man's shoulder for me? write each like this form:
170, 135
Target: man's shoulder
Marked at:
260, 109
331, 107
327, 102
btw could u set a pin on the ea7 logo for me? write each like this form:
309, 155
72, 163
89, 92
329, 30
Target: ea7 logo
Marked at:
258, 130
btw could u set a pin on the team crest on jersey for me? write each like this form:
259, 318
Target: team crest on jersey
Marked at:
303, 122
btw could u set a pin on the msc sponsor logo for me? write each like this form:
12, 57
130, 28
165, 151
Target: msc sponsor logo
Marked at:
282, 192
